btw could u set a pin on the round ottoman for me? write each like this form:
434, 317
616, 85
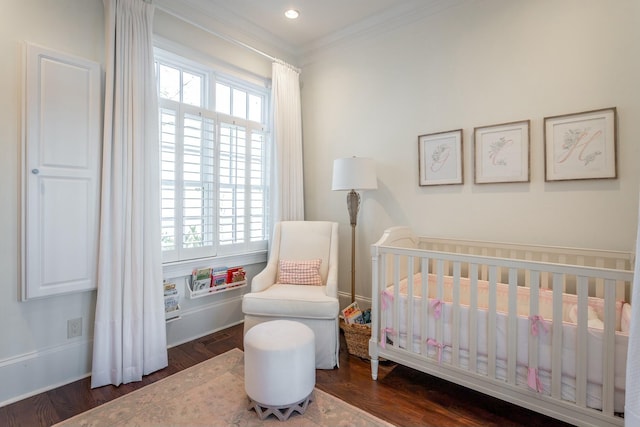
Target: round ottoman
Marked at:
279, 368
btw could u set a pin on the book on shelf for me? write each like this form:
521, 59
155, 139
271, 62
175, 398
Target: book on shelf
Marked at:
218, 279
170, 306
171, 297
219, 270
236, 274
170, 300
201, 278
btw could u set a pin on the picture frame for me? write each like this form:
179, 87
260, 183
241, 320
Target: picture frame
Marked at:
581, 145
502, 152
440, 158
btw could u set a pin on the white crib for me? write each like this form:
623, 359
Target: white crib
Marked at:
545, 328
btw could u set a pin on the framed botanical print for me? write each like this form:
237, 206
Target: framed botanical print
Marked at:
502, 153
440, 158
581, 145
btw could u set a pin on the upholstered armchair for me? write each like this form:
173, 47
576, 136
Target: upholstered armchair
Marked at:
300, 282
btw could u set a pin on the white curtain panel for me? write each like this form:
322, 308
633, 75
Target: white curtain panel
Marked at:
287, 190
129, 331
632, 396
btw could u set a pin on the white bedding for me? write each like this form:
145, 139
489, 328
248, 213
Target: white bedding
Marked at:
426, 342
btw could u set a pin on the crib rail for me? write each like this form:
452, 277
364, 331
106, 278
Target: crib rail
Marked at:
479, 341
618, 260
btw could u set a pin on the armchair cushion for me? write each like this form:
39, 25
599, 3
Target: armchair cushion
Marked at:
305, 272
286, 300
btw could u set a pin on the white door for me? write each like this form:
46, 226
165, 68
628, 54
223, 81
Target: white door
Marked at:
61, 173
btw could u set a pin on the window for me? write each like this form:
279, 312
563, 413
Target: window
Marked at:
214, 154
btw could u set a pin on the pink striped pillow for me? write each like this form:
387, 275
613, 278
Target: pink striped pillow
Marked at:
305, 272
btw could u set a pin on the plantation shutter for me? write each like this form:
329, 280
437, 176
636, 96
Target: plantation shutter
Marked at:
188, 210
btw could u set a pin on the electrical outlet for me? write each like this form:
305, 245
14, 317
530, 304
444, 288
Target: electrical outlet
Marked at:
74, 327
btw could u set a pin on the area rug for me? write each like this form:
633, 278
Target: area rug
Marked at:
212, 394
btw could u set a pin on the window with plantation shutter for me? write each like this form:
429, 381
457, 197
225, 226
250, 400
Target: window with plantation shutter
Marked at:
214, 163
242, 210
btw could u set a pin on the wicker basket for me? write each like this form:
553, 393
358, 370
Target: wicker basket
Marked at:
357, 336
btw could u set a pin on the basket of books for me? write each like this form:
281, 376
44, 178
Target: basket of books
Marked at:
356, 325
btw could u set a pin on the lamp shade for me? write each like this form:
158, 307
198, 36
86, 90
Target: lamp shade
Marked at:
354, 173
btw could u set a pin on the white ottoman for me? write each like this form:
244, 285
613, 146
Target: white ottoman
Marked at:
279, 368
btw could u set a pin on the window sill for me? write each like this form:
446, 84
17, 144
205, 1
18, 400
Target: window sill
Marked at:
184, 268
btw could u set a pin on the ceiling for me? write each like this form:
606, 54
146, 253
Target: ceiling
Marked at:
321, 22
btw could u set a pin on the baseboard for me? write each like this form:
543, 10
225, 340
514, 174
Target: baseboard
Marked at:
36, 372
39, 371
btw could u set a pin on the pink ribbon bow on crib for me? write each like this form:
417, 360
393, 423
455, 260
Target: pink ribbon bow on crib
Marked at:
385, 299
383, 338
535, 321
534, 380
435, 343
436, 304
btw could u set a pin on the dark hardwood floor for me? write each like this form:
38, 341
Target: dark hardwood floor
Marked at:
402, 396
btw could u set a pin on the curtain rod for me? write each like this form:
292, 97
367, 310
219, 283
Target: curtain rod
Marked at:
226, 38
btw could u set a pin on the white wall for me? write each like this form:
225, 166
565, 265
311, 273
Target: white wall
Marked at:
35, 353
476, 64
34, 350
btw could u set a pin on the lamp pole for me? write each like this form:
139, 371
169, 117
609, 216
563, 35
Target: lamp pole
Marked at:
353, 205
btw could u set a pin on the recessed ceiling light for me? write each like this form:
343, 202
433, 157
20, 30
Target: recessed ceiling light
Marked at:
292, 14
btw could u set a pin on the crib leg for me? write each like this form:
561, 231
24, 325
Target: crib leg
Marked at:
374, 368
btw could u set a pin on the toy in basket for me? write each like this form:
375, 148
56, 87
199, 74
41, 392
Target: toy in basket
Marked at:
356, 325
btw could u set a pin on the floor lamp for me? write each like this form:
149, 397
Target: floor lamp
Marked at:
351, 174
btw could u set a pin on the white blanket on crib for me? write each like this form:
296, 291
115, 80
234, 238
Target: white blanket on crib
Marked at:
399, 313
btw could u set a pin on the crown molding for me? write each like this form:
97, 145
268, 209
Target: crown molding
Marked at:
375, 25
224, 21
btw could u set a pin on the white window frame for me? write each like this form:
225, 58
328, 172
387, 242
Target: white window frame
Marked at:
178, 261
